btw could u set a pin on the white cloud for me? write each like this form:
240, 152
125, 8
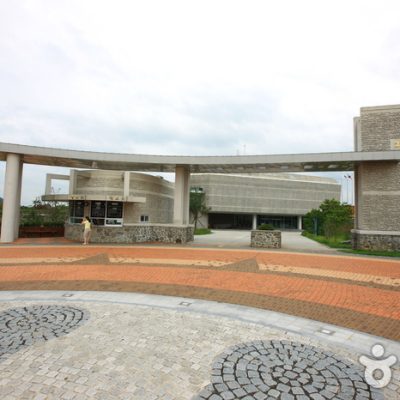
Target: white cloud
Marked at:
189, 77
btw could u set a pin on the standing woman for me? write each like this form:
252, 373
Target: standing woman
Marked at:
88, 230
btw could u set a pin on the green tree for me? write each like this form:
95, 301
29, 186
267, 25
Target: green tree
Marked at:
31, 216
57, 215
313, 221
338, 218
43, 214
331, 219
197, 206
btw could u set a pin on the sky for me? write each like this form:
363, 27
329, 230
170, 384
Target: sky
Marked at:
192, 77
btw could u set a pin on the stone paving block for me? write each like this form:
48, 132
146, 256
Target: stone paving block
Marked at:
135, 350
227, 395
240, 392
287, 396
233, 385
317, 396
221, 387
215, 397
274, 393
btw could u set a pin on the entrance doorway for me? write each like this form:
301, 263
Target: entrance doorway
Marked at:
230, 221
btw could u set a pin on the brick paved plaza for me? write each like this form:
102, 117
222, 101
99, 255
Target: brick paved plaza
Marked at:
59, 344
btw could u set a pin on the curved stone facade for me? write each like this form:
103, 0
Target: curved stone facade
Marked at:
144, 198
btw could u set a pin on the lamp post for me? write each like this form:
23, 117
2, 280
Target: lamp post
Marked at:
348, 180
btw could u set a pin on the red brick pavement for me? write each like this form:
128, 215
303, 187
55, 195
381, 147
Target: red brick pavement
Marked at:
347, 295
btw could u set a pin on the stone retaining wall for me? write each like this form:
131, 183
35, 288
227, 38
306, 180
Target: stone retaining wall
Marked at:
266, 239
138, 233
372, 241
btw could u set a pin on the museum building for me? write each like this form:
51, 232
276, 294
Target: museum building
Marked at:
246, 201
125, 215
125, 207
115, 199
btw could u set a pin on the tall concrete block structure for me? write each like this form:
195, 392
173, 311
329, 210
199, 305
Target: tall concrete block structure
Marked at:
377, 184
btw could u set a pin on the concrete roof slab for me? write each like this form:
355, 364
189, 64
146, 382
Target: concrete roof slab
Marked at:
341, 161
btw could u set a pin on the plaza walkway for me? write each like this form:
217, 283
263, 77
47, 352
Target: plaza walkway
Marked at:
175, 323
354, 292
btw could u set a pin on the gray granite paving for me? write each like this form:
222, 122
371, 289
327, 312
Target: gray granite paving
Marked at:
130, 346
285, 369
24, 326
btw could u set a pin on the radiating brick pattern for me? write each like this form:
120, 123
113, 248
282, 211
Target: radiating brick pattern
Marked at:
280, 369
24, 326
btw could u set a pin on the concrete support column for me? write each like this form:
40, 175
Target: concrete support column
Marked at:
186, 204
181, 196
47, 189
254, 221
357, 191
72, 181
19, 191
299, 222
127, 178
12, 198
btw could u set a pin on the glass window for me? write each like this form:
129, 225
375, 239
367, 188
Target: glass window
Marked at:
114, 222
114, 209
76, 211
144, 218
278, 222
101, 212
98, 212
98, 209
114, 213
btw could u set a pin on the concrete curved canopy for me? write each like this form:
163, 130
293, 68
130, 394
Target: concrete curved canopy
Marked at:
343, 161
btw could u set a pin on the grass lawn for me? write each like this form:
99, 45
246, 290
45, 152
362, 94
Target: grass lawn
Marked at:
335, 242
202, 231
373, 252
342, 245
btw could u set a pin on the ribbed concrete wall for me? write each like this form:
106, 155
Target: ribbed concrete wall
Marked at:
280, 194
158, 192
97, 182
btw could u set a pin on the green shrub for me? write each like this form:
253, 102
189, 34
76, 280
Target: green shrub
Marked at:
44, 215
337, 242
266, 227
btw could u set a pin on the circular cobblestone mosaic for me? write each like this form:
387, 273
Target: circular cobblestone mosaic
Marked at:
285, 370
26, 325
